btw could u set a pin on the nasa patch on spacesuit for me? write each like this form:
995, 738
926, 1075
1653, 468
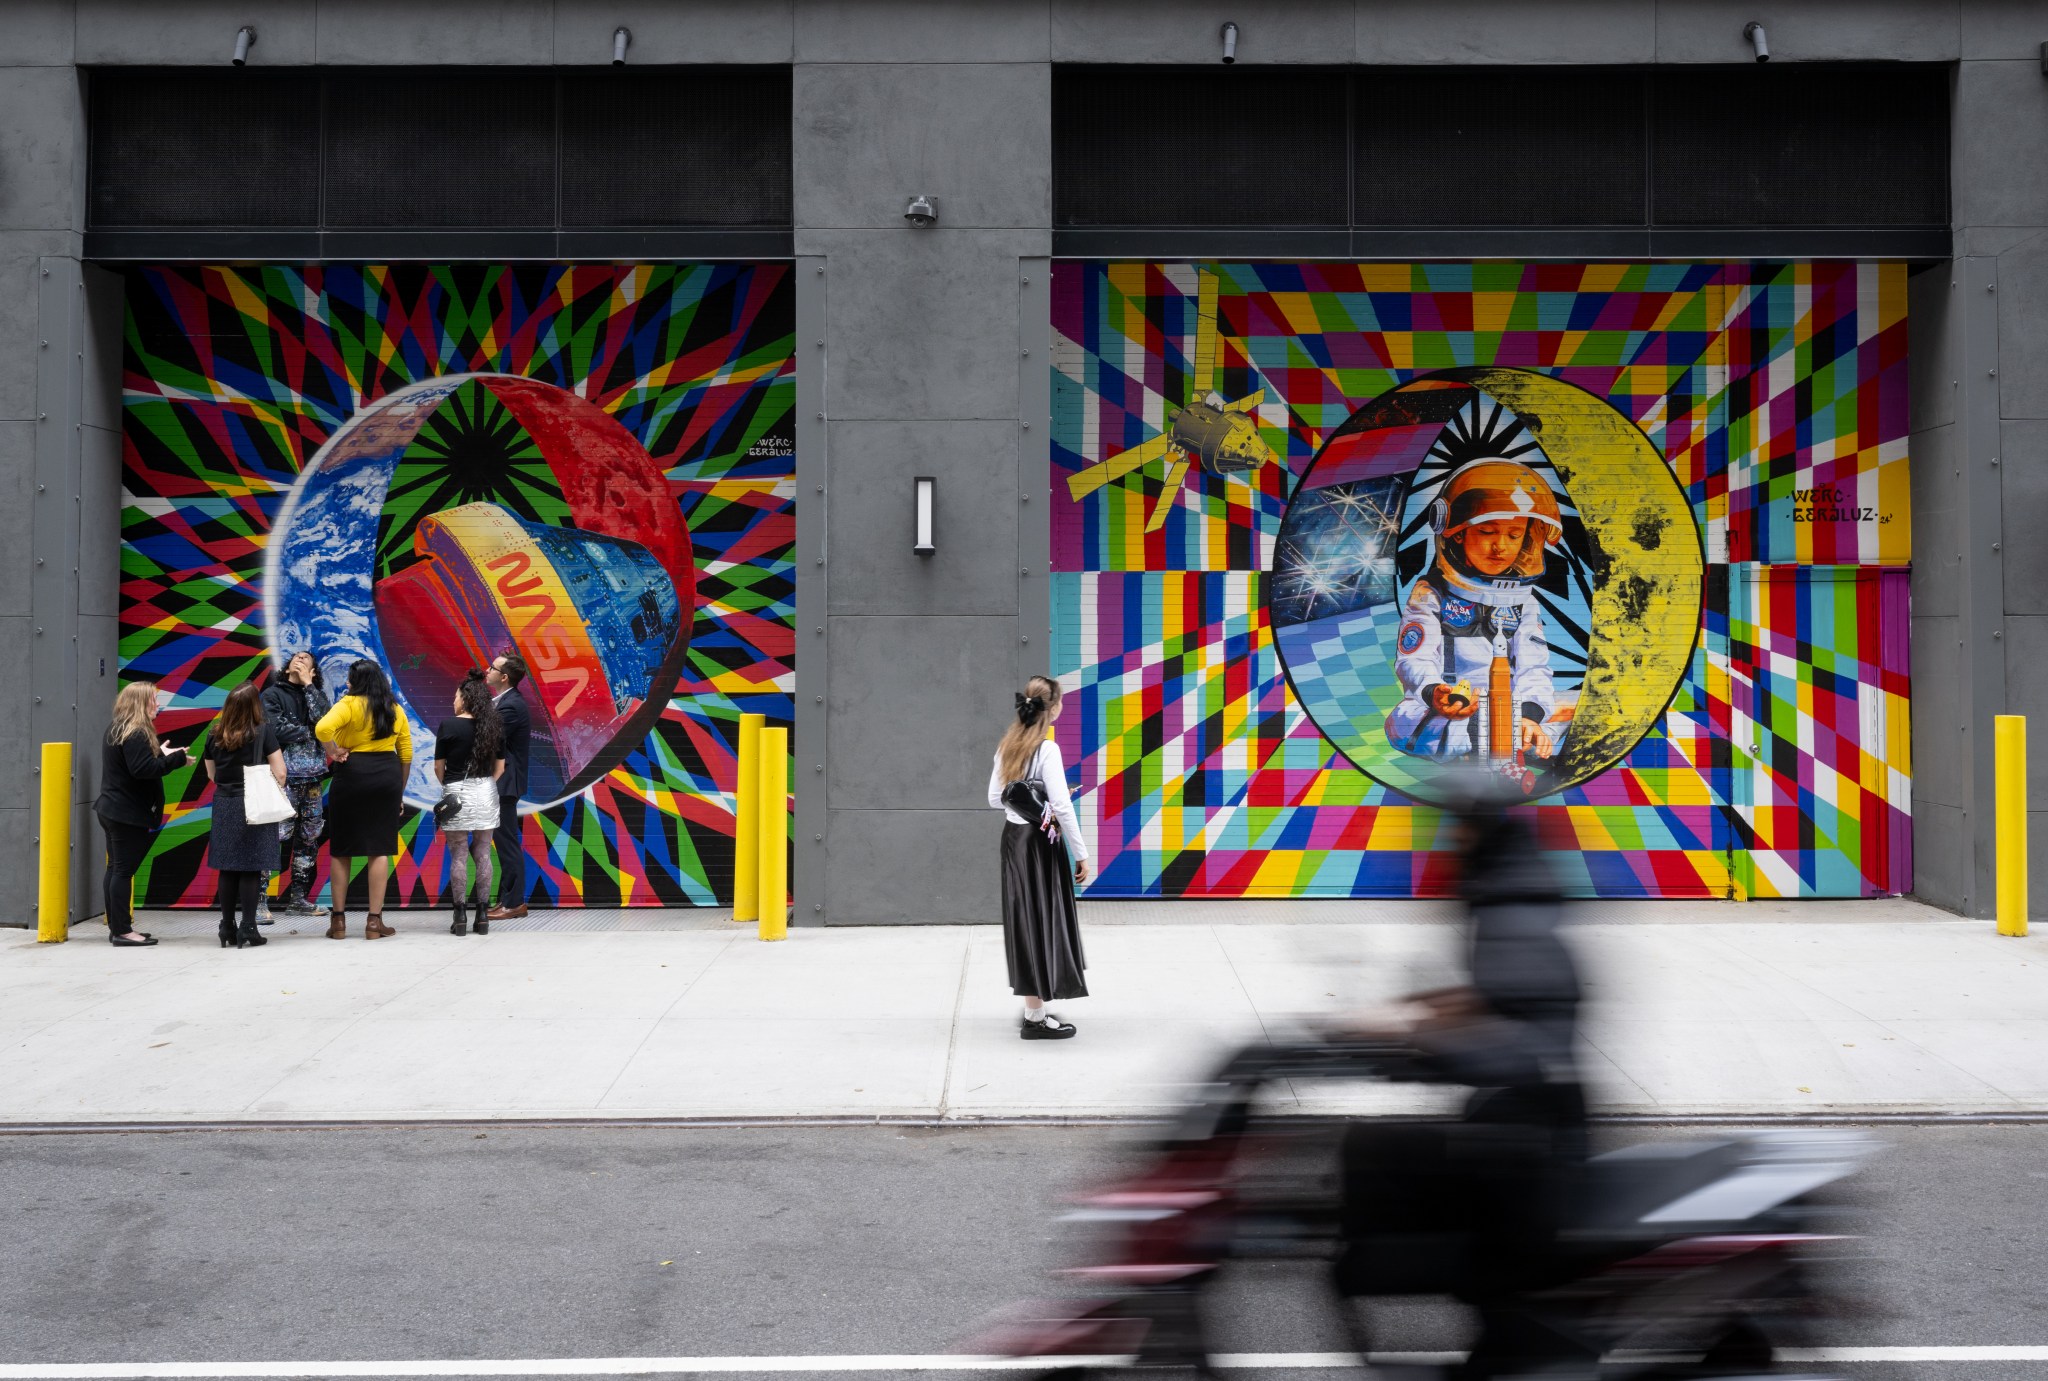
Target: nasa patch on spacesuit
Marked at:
1412, 634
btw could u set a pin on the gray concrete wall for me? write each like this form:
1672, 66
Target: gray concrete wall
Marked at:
1980, 468
922, 331
42, 367
2001, 212
913, 354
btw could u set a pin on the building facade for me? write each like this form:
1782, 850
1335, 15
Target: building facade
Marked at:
1549, 385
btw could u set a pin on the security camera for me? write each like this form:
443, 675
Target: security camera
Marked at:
922, 212
1754, 32
244, 36
1229, 44
622, 38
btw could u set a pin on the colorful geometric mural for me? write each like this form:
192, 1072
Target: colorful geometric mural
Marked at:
1273, 486
424, 465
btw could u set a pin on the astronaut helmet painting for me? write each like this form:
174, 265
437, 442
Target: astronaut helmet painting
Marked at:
1486, 567
1472, 619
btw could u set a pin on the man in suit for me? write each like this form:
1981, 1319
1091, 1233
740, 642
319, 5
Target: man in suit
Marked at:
506, 672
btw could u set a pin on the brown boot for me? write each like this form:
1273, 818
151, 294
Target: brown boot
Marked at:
374, 927
337, 925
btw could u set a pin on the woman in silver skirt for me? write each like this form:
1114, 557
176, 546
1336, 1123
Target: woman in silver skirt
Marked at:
1041, 929
469, 755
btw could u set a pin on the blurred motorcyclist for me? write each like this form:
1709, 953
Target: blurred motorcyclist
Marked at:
1472, 1208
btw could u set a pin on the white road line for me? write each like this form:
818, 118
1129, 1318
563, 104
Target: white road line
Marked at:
1913, 1354
660, 1366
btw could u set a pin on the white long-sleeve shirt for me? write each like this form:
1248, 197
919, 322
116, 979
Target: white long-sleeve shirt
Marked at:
1048, 767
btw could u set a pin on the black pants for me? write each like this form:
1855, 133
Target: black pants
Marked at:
511, 841
238, 890
127, 846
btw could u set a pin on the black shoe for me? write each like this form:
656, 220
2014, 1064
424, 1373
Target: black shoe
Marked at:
1050, 1029
460, 926
251, 936
229, 935
133, 939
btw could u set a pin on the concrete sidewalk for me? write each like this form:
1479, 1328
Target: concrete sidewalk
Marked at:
1698, 1008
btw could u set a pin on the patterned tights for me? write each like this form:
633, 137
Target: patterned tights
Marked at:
463, 845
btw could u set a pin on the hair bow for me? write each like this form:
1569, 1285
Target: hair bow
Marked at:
1029, 707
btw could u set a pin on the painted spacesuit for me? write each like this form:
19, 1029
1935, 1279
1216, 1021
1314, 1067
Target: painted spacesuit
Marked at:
1472, 645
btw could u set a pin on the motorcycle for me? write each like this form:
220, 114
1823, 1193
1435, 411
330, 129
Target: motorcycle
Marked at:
1681, 1258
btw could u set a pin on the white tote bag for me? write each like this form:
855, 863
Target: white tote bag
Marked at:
263, 800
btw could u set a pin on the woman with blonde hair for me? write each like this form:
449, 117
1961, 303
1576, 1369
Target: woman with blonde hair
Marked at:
133, 764
1041, 929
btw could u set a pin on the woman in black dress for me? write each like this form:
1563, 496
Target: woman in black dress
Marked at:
1041, 929
133, 764
238, 850
469, 757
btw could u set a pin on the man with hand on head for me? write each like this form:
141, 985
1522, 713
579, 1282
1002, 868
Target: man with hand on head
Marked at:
507, 670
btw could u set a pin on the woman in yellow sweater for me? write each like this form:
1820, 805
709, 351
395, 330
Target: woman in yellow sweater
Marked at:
368, 739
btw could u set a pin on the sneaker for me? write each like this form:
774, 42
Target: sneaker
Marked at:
263, 916
1050, 1029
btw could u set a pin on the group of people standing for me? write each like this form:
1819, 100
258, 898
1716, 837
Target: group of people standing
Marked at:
342, 766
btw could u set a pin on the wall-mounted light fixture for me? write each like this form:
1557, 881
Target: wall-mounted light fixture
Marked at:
1758, 40
1229, 44
922, 211
244, 37
622, 39
927, 488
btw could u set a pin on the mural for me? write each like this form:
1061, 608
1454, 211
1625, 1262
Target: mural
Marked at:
1439, 598
1324, 533
424, 466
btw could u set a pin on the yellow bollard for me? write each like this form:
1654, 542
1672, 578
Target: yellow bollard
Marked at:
746, 822
773, 780
2009, 747
53, 890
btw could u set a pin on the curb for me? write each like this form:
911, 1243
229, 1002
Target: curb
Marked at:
1733, 1119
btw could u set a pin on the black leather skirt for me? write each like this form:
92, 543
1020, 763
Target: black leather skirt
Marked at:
1041, 928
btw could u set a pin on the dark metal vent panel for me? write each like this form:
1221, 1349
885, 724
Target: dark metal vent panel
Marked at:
1500, 146
1729, 149
226, 147
440, 161
622, 133
439, 148
1199, 147
1802, 145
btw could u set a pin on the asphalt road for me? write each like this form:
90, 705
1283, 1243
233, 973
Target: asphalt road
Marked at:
444, 1243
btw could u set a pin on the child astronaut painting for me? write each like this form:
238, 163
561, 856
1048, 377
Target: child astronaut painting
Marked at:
1436, 576
1474, 654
